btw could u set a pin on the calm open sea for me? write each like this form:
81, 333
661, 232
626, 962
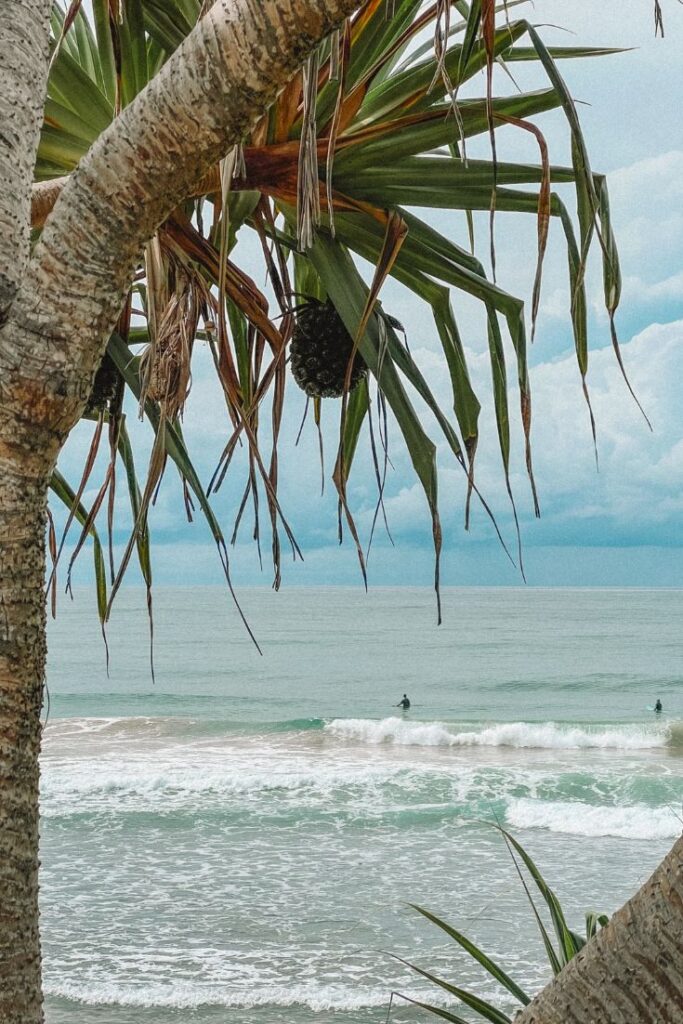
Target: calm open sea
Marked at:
239, 842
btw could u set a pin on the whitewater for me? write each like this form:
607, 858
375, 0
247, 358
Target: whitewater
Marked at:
508, 734
239, 841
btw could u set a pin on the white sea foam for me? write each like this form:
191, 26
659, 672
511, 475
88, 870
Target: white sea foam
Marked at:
234, 773
171, 783
637, 821
547, 735
187, 995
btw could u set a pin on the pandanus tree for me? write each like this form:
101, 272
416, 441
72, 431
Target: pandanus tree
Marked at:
137, 140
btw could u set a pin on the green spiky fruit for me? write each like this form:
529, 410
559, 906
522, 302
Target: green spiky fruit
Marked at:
320, 352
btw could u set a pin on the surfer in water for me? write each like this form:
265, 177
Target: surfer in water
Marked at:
658, 706
404, 703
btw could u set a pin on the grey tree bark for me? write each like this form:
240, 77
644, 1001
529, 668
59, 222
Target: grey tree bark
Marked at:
23, 75
23, 497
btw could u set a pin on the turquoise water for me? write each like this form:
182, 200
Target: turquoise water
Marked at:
239, 841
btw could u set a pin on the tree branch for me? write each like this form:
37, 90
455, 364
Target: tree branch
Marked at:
206, 98
24, 52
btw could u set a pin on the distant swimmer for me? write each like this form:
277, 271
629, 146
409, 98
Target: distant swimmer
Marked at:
404, 704
658, 706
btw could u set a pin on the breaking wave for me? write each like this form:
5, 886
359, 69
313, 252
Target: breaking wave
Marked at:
637, 821
547, 735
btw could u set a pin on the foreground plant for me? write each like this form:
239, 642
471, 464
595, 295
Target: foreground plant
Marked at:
155, 134
565, 947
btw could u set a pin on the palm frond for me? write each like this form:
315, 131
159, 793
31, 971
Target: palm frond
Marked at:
376, 123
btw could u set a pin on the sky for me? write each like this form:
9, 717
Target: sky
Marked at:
619, 525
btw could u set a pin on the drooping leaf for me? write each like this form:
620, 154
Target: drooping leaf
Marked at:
349, 295
68, 497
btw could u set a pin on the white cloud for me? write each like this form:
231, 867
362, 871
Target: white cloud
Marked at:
633, 184
638, 487
647, 206
668, 290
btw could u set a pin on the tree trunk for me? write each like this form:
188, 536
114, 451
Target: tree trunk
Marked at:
23, 499
24, 34
23, 77
633, 970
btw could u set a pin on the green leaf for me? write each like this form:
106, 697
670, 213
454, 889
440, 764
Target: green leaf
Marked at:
420, 252
421, 132
73, 87
357, 409
409, 91
477, 954
444, 174
466, 404
127, 365
61, 118
594, 922
174, 446
437, 1011
142, 539
105, 49
451, 263
435, 192
66, 494
134, 50
168, 24
87, 47
142, 542
527, 53
349, 293
569, 946
379, 34
60, 149
481, 1006
472, 32
239, 330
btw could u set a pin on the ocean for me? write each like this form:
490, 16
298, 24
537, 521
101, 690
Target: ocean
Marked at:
241, 840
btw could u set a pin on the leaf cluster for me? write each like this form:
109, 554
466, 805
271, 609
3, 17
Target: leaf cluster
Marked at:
561, 944
372, 131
